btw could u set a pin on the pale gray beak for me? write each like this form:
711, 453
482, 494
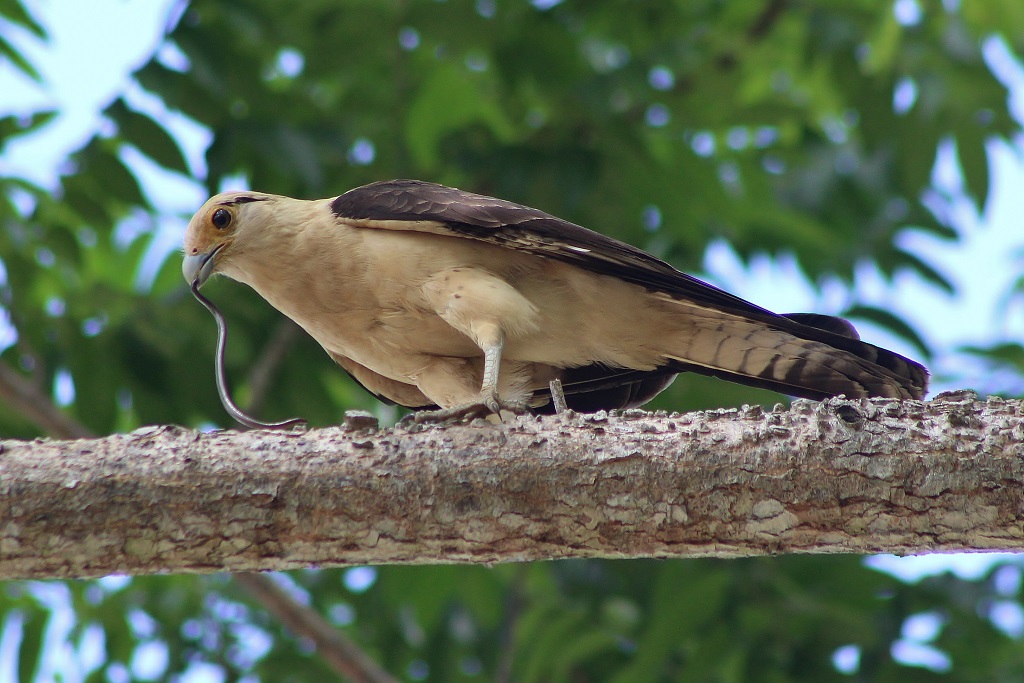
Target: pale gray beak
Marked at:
199, 267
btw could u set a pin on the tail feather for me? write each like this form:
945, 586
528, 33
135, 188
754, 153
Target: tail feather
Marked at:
761, 356
794, 358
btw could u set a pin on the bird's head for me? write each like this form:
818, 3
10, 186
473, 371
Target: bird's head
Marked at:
220, 229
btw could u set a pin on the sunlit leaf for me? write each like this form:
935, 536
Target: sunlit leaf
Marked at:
13, 126
149, 137
973, 157
33, 628
891, 322
9, 52
15, 12
1010, 354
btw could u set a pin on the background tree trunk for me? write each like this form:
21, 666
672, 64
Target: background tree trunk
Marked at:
831, 477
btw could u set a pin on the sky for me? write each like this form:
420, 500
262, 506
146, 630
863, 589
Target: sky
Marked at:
94, 46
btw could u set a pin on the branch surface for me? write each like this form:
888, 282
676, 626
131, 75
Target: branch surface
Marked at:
834, 477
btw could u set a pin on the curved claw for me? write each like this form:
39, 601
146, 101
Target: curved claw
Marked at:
494, 404
454, 415
491, 405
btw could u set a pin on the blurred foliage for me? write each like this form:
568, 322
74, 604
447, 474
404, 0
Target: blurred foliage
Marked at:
776, 125
766, 619
1004, 362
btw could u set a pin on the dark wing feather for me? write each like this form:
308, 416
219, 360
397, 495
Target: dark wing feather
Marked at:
514, 226
426, 207
594, 387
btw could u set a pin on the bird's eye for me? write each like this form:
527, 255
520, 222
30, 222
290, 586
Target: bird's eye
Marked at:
221, 218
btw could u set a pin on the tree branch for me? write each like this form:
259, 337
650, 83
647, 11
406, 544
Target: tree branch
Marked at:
839, 476
341, 654
338, 652
766, 20
35, 406
270, 359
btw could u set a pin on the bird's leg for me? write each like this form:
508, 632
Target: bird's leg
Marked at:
488, 401
486, 309
489, 387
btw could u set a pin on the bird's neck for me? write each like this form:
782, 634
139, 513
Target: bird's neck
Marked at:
285, 262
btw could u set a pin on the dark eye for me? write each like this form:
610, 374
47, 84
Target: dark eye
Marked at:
221, 218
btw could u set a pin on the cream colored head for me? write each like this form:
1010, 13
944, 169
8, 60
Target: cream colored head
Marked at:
221, 228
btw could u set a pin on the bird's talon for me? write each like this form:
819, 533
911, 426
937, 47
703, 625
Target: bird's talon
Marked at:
455, 415
467, 413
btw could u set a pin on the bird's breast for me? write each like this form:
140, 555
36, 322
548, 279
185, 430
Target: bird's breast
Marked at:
359, 293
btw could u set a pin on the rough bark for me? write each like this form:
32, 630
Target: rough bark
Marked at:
837, 476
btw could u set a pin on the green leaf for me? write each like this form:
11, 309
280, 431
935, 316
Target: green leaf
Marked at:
20, 62
1010, 354
973, 157
884, 45
682, 602
546, 647
428, 590
1007, 14
926, 270
13, 126
30, 652
892, 323
150, 138
80, 196
450, 99
14, 11
105, 170
577, 650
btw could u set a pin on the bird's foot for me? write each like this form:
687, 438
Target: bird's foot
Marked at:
485, 407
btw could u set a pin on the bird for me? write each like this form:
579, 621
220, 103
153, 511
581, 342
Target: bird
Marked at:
458, 304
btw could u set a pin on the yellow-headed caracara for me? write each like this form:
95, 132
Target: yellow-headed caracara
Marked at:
430, 296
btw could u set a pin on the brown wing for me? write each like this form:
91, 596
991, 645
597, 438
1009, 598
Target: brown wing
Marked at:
426, 207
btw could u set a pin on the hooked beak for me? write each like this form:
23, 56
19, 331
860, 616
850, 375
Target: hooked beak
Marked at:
197, 268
